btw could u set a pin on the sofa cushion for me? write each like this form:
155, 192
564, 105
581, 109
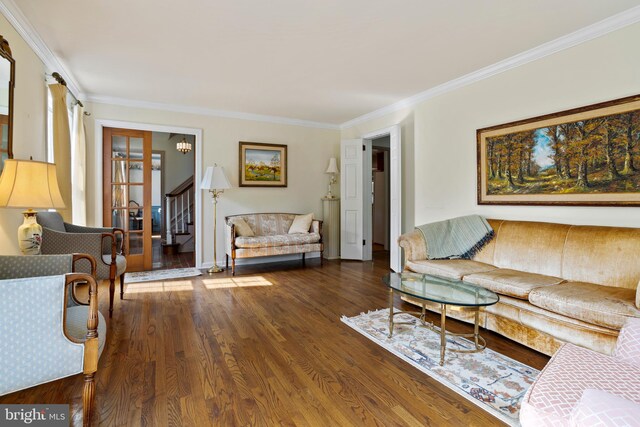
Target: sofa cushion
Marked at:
301, 224
241, 227
450, 268
279, 240
601, 305
513, 283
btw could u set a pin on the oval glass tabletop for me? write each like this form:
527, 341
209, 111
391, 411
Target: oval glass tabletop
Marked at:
440, 290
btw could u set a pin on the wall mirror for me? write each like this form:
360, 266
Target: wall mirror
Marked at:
7, 81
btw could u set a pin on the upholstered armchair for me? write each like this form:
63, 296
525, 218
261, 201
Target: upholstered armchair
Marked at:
104, 244
46, 333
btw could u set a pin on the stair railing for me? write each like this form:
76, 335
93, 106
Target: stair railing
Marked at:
179, 210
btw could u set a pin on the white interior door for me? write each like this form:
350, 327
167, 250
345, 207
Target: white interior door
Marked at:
351, 193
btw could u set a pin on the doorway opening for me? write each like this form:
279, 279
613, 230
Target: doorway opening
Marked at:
380, 198
148, 192
172, 201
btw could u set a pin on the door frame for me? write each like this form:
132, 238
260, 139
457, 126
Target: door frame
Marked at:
197, 173
395, 195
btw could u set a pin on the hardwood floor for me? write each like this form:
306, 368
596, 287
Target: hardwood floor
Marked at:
265, 347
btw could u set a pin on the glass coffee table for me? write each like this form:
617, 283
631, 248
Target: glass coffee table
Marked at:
446, 292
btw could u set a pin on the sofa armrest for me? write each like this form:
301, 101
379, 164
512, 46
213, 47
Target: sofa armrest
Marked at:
316, 226
229, 237
414, 246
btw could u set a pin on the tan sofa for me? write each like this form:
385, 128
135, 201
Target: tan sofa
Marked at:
557, 283
271, 237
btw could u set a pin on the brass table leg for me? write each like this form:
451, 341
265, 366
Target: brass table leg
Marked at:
476, 329
443, 333
390, 312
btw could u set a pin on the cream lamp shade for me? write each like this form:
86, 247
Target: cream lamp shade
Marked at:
332, 170
215, 179
333, 166
29, 184
216, 182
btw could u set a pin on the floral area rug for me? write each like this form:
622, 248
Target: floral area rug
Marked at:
494, 382
160, 275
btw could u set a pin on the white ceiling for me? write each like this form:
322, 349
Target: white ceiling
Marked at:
326, 61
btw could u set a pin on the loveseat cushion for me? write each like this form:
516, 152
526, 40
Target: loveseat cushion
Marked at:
513, 283
600, 305
450, 268
278, 240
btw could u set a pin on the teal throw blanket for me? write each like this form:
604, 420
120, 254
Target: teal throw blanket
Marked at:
460, 237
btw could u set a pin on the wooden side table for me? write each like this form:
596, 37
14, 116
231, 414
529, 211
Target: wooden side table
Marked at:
331, 227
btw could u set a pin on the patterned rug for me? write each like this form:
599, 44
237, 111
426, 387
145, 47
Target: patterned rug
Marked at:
490, 380
160, 275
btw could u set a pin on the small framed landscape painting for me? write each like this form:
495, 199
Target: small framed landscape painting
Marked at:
584, 156
263, 165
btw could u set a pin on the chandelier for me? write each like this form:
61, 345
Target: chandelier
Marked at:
183, 146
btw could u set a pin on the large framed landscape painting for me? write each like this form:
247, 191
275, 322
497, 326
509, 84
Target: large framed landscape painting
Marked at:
583, 156
263, 165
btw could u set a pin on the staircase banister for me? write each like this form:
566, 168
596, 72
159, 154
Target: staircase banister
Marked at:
182, 188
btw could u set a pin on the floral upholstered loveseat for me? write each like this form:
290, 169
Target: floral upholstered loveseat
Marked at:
271, 236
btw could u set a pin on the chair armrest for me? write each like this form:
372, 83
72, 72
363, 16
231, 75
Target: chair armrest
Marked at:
414, 246
628, 345
92, 263
91, 343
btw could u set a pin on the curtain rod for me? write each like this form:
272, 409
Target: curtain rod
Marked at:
62, 81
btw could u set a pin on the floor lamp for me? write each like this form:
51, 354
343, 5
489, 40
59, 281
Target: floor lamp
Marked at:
216, 182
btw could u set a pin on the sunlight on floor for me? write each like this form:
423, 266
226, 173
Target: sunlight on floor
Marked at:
236, 282
148, 287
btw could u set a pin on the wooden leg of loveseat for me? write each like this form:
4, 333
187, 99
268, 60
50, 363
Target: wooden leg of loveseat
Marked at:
88, 398
233, 266
304, 259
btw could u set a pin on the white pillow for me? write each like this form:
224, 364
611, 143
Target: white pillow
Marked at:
301, 224
597, 407
242, 228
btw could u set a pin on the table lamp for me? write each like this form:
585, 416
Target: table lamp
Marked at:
333, 171
29, 184
216, 182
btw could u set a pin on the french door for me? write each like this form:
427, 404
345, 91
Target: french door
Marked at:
127, 192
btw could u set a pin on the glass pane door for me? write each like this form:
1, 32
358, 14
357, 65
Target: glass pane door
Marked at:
127, 183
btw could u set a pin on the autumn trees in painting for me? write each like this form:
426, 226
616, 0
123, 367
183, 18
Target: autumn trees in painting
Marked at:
594, 155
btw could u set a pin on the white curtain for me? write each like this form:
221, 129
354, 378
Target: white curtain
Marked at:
62, 146
78, 167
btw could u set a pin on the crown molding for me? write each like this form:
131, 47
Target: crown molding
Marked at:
99, 99
22, 25
610, 24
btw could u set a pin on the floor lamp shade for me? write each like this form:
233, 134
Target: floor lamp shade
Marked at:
215, 179
216, 182
29, 184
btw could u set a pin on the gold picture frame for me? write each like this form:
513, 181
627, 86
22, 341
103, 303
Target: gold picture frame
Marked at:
588, 156
262, 165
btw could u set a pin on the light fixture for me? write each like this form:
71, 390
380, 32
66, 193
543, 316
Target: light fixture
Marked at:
332, 170
216, 182
183, 146
29, 184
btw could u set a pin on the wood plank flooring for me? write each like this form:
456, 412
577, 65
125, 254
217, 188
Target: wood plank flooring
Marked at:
264, 348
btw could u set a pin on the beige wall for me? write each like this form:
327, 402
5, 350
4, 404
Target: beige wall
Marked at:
29, 122
308, 152
177, 167
443, 162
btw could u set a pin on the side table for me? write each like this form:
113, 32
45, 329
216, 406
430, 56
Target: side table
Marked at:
331, 227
